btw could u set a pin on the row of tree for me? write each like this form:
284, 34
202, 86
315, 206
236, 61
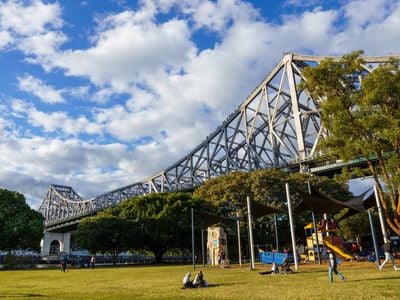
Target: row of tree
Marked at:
162, 222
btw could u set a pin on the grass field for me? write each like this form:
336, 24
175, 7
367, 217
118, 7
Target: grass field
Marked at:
164, 282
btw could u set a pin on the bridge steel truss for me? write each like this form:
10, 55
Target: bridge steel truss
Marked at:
278, 125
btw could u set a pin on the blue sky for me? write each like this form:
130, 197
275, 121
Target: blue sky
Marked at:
100, 94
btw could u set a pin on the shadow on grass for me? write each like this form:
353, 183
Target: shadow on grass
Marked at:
21, 295
375, 279
214, 285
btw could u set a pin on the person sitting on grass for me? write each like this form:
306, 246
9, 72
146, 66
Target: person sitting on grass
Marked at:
274, 270
199, 281
187, 283
285, 268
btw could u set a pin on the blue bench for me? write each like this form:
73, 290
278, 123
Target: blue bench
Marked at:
278, 258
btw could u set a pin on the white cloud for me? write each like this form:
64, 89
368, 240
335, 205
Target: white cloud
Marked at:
45, 93
23, 19
29, 17
152, 88
56, 121
42, 45
376, 34
5, 39
41, 161
218, 16
125, 52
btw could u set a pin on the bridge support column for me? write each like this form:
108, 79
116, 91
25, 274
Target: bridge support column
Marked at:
63, 245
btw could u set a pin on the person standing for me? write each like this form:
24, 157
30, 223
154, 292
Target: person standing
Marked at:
223, 258
387, 248
92, 261
333, 266
64, 262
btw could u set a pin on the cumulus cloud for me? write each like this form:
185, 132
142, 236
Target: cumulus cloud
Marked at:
22, 19
41, 161
125, 52
45, 93
148, 86
58, 121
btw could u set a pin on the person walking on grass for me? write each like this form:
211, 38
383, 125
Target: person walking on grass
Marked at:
64, 262
387, 248
333, 266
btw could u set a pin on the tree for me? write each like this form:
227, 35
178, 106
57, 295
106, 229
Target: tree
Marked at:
106, 234
355, 227
162, 221
228, 193
20, 226
363, 120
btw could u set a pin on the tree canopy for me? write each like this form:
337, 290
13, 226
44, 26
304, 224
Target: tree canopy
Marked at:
20, 226
157, 223
106, 234
363, 120
267, 186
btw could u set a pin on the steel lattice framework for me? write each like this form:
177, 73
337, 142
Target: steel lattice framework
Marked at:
278, 125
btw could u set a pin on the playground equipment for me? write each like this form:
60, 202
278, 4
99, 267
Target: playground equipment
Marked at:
216, 244
336, 248
326, 237
312, 238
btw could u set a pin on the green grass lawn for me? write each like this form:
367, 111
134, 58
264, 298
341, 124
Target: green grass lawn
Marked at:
164, 282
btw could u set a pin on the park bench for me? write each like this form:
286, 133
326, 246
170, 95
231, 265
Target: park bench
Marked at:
278, 258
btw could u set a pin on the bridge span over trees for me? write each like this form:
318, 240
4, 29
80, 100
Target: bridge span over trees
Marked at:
279, 125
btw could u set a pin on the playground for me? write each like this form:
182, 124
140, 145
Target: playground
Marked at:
164, 282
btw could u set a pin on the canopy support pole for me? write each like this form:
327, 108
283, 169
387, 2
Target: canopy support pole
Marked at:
276, 234
238, 235
202, 247
193, 258
291, 226
371, 223
382, 221
252, 265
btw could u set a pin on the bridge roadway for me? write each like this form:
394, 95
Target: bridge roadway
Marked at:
278, 125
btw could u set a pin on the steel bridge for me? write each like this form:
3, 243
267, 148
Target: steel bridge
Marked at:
278, 125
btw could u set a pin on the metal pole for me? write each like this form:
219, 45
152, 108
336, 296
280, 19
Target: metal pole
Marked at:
315, 229
193, 258
291, 225
371, 223
326, 224
316, 237
382, 221
252, 264
276, 234
202, 247
238, 234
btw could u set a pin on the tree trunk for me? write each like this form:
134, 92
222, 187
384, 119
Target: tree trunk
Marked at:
158, 254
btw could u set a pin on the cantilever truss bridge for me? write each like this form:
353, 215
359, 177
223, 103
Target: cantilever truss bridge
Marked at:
278, 125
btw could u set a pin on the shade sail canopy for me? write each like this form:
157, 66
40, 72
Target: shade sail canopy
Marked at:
359, 203
210, 219
259, 210
318, 202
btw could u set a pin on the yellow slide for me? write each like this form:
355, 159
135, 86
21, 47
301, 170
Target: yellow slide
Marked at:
339, 251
